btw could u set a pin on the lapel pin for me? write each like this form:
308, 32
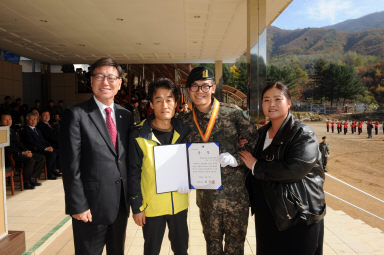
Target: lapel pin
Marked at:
120, 116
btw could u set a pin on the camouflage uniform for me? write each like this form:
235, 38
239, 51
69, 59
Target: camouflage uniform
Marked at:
224, 212
324, 149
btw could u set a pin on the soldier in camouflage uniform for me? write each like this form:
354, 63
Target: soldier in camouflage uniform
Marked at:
223, 213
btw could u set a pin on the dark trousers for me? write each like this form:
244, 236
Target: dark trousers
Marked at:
327, 128
301, 239
90, 238
52, 158
324, 161
154, 228
33, 166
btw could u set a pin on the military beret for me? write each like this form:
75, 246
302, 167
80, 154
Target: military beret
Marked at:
324, 137
199, 73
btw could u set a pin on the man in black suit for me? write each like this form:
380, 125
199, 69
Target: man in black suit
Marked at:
46, 129
32, 163
34, 141
94, 147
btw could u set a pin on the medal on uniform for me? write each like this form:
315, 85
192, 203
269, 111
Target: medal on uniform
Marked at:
211, 123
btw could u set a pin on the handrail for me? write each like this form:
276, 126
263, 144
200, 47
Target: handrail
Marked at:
361, 209
349, 185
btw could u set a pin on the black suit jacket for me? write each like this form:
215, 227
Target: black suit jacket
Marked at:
15, 147
34, 142
48, 134
93, 172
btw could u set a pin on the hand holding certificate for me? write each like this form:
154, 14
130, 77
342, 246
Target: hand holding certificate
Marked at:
172, 168
204, 166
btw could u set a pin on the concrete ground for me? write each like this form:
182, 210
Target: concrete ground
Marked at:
40, 213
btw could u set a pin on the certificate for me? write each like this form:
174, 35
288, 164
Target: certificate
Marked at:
204, 166
171, 167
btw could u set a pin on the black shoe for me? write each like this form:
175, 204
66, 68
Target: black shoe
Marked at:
58, 174
36, 184
52, 177
28, 186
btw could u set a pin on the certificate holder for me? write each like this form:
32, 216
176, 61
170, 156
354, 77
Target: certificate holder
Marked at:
171, 167
204, 166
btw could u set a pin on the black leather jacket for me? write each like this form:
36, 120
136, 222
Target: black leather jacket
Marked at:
290, 174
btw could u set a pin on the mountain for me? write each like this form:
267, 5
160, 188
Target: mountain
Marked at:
311, 41
374, 20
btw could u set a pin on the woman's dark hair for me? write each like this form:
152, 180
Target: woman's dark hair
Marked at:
106, 62
279, 85
164, 83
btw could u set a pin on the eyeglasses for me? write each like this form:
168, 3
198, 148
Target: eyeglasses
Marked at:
204, 88
110, 78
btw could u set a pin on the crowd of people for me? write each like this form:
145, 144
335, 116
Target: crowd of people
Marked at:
354, 126
33, 139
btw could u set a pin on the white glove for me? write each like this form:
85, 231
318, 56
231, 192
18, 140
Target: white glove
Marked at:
183, 190
226, 159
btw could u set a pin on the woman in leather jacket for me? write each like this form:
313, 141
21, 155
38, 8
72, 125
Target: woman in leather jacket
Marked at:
285, 183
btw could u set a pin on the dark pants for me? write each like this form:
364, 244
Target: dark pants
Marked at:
52, 158
333, 129
228, 224
324, 161
301, 239
33, 166
327, 128
154, 228
90, 238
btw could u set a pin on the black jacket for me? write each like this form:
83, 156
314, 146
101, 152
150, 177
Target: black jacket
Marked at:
290, 174
93, 171
48, 134
16, 148
34, 142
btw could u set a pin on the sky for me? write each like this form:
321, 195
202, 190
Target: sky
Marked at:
320, 13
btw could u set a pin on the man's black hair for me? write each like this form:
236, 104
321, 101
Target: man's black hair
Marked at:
106, 62
162, 83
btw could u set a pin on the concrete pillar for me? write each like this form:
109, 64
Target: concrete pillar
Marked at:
256, 55
219, 79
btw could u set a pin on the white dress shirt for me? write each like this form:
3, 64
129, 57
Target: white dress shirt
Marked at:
102, 110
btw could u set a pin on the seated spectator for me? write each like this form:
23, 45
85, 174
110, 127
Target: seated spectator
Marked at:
51, 107
32, 163
36, 112
6, 106
34, 141
37, 104
16, 115
56, 124
46, 129
135, 112
60, 107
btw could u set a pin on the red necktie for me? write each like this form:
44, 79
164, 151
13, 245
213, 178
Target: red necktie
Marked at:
111, 126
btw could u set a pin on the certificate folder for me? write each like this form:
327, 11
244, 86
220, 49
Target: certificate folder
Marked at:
180, 165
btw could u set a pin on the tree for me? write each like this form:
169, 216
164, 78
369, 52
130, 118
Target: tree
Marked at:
335, 82
285, 75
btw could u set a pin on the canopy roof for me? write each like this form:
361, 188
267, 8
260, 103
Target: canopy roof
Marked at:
130, 31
